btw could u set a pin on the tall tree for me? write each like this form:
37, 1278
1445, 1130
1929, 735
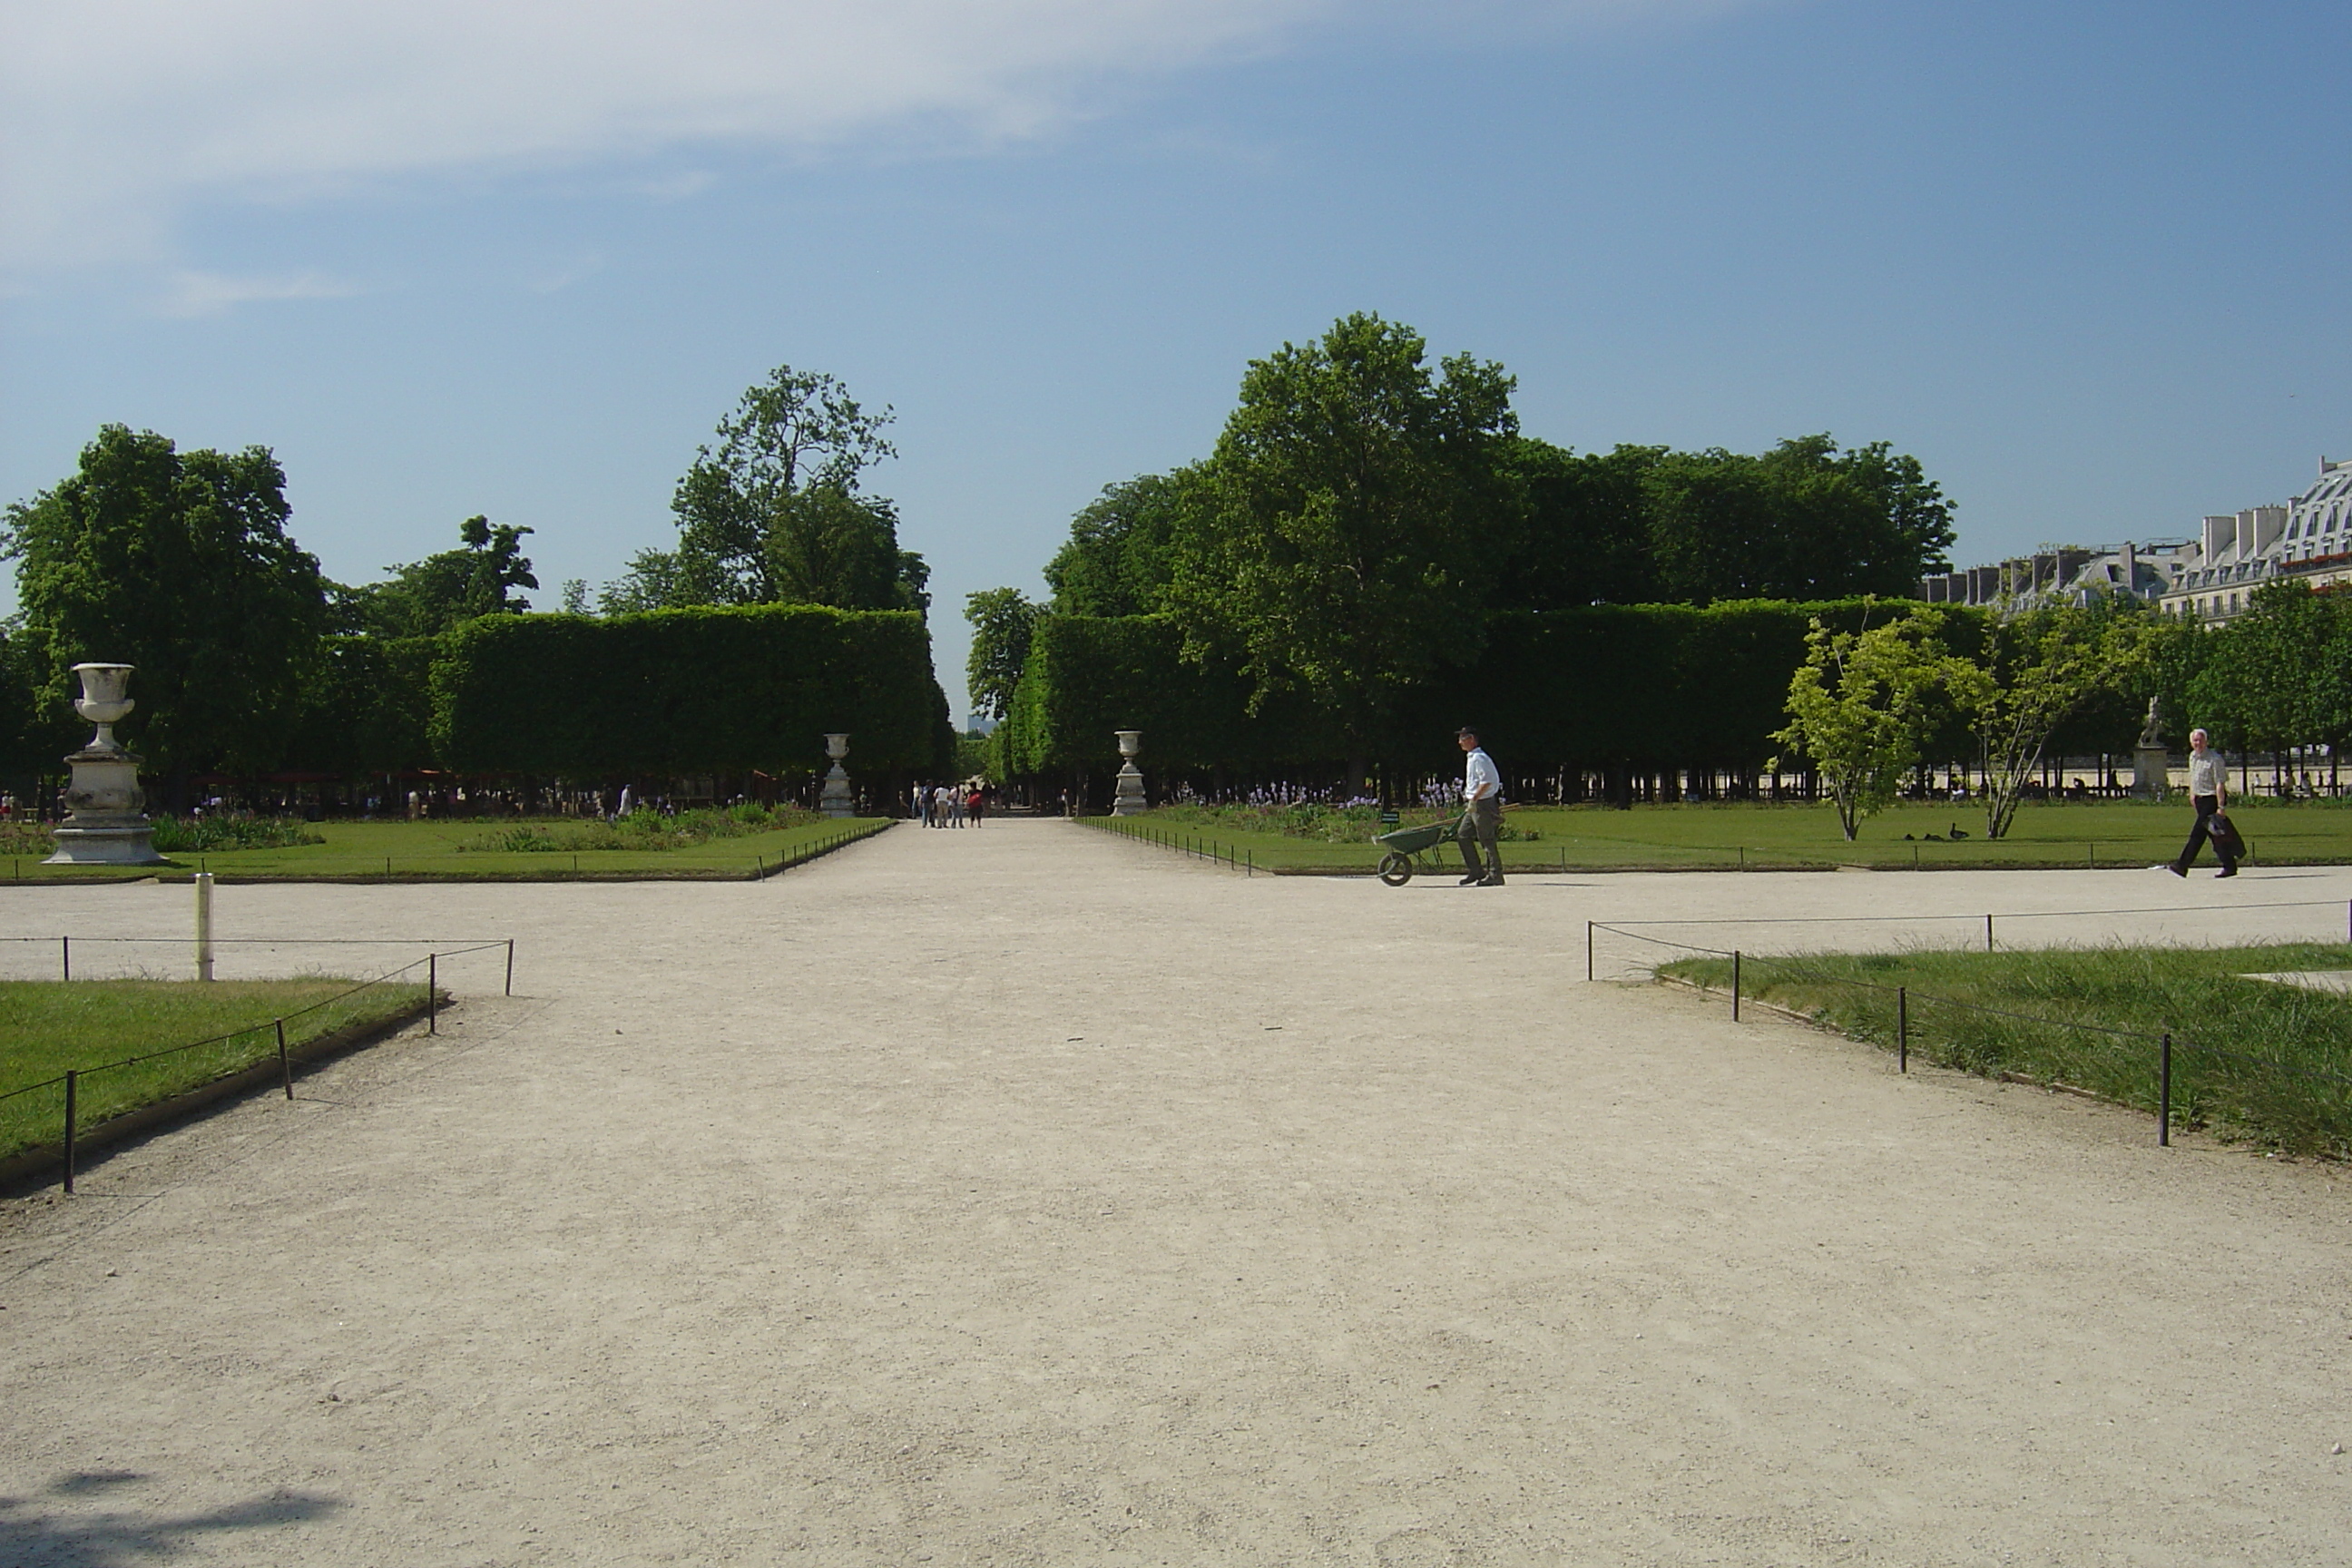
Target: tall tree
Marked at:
772, 512
180, 563
2038, 670
1361, 513
426, 598
1001, 621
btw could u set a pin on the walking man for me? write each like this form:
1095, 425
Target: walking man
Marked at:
2209, 788
1482, 814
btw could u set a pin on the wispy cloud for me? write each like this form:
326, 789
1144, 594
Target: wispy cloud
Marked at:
116, 115
210, 293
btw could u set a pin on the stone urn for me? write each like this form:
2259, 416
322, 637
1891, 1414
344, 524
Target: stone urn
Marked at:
106, 821
1127, 800
837, 799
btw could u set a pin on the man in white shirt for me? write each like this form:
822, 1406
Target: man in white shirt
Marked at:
2209, 788
1482, 814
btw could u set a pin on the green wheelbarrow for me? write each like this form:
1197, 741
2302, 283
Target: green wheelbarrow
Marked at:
1406, 844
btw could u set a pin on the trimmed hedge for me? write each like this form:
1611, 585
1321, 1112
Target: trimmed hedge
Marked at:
1605, 687
369, 707
724, 690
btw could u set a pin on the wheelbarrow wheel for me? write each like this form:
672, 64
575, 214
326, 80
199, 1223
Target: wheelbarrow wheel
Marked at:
1396, 870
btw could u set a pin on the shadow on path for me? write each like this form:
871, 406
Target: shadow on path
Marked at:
52, 1532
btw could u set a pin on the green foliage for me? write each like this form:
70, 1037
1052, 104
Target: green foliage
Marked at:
1607, 687
427, 597
368, 708
1862, 702
676, 691
773, 514
1361, 509
1001, 621
1118, 562
2036, 672
1344, 824
2278, 676
640, 830
179, 564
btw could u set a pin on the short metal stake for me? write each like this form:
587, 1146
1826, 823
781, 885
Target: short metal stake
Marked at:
285, 1069
432, 993
204, 925
1902, 1028
2164, 1093
1987, 933
1588, 949
65, 958
509, 966
1735, 985
73, 1083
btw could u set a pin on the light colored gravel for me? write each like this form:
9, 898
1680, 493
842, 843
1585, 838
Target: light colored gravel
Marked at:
1029, 1196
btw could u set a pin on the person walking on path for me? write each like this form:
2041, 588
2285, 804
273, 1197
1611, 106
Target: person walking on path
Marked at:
2209, 789
1482, 814
974, 803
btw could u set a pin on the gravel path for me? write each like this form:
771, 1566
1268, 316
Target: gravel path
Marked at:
1029, 1196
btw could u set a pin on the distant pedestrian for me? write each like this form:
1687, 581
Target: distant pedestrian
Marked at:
2208, 791
974, 803
1482, 814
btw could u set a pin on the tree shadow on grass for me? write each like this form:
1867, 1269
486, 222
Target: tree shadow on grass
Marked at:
59, 1528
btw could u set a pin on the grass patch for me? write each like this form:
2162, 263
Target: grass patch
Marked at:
48, 1026
462, 850
645, 832
1725, 837
2252, 1060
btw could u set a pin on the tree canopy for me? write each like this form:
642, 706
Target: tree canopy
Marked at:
178, 562
426, 598
773, 512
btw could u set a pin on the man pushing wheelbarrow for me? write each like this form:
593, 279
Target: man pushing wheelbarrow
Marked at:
1482, 814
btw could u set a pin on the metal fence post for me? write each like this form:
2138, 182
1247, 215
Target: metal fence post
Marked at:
65, 958
285, 1069
1987, 933
2164, 1093
1902, 1028
1588, 949
1735, 985
509, 966
73, 1080
432, 993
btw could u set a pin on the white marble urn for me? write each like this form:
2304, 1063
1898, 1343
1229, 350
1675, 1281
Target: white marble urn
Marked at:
837, 799
1127, 800
106, 820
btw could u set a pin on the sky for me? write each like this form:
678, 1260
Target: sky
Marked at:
2087, 261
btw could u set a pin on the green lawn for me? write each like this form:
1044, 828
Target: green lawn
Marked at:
1732, 837
430, 851
48, 1026
2253, 1059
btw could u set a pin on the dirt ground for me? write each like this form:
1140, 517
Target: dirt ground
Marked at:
1024, 1195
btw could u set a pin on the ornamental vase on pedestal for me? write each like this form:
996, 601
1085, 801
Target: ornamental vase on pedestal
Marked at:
1127, 800
106, 821
836, 800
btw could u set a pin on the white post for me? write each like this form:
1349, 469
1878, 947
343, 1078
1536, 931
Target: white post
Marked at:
204, 925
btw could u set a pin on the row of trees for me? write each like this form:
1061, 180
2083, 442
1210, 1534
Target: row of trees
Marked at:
181, 563
1871, 703
1365, 516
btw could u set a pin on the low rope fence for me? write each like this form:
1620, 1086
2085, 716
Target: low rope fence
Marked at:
273, 1032
1196, 846
2165, 1044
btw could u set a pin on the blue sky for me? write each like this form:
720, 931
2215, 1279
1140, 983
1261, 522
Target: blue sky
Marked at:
2088, 263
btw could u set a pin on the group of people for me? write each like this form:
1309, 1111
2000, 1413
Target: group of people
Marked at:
948, 804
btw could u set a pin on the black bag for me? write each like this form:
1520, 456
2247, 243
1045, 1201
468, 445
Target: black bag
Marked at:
2228, 842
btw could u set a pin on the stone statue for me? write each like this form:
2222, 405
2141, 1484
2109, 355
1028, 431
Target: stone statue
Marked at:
2151, 735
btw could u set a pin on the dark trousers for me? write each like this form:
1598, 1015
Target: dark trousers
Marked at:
1480, 823
2197, 836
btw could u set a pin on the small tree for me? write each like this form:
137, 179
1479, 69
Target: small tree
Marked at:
2038, 670
1002, 620
1862, 702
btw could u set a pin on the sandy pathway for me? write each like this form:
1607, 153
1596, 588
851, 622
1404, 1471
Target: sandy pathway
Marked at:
1027, 1196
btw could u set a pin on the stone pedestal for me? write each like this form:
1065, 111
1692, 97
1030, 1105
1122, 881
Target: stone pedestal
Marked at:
2151, 772
106, 821
837, 799
1127, 800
